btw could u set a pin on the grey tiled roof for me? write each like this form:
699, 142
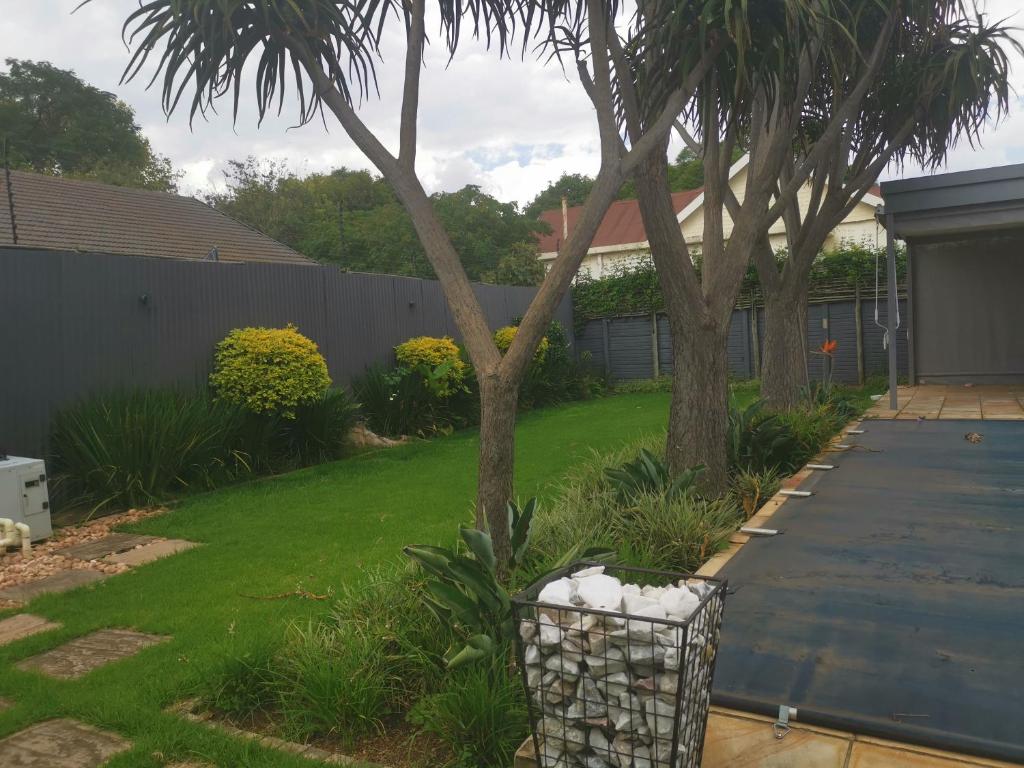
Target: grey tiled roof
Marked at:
65, 214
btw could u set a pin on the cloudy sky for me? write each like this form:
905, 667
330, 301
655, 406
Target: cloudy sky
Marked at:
509, 126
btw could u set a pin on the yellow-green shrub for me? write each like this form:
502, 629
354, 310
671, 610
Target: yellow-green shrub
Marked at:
269, 370
432, 352
503, 340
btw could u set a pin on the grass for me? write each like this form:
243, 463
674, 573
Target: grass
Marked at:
320, 529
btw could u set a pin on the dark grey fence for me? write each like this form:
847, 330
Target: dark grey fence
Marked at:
75, 323
640, 347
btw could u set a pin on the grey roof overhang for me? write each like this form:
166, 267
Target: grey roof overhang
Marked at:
955, 203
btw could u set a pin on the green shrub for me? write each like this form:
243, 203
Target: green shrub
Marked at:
269, 370
139, 448
647, 474
321, 428
435, 354
557, 376
757, 440
752, 489
334, 682
677, 534
480, 713
405, 401
242, 683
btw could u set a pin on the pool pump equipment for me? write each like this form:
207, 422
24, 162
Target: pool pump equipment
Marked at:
24, 502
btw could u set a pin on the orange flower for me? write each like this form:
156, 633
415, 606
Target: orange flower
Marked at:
829, 347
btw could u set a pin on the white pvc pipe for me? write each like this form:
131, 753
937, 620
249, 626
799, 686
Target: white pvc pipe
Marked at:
15, 534
26, 536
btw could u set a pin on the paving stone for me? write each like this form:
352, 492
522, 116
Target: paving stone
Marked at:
84, 654
108, 545
150, 552
738, 742
23, 625
60, 744
59, 582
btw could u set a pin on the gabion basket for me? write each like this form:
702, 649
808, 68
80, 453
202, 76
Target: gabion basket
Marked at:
607, 688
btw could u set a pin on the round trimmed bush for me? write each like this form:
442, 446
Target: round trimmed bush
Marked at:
432, 352
269, 370
503, 340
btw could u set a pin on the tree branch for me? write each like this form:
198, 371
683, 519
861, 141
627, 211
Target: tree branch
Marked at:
415, 37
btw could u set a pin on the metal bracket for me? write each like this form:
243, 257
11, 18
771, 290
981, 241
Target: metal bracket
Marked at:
781, 726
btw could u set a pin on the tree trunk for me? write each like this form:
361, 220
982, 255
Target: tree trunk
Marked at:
498, 401
698, 418
784, 364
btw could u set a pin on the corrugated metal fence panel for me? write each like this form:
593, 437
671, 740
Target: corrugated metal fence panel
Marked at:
31, 365
591, 341
740, 364
629, 343
77, 323
665, 358
876, 359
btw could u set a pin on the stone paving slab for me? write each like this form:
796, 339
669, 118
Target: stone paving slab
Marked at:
23, 625
60, 744
59, 582
150, 552
84, 654
108, 545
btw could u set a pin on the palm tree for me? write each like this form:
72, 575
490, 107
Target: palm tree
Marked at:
326, 51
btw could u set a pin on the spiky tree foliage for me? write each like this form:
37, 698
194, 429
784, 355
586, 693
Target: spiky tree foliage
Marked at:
748, 100
325, 52
944, 76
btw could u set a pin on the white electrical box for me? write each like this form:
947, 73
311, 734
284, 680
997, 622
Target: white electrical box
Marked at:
24, 497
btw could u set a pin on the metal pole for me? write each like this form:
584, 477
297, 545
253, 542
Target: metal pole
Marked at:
890, 322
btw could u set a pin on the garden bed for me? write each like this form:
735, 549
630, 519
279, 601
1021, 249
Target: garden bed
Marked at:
49, 557
398, 745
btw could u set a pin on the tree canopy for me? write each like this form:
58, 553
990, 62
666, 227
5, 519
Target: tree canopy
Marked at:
353, 219
53, 122
687, 172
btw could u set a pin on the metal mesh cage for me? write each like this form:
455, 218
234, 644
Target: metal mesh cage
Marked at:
612, 689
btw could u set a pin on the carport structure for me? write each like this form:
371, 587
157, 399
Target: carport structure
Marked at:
965, 275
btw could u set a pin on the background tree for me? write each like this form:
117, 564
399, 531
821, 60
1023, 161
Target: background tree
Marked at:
521, 265
55, 123
353, 218
767, 78
943, 78
330, 51
687, 172
574, 187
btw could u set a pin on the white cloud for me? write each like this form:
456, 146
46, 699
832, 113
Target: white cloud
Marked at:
510, 126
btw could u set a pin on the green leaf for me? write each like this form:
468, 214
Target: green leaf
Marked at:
480, 545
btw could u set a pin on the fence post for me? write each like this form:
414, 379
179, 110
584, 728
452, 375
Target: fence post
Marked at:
858, 321
654, 345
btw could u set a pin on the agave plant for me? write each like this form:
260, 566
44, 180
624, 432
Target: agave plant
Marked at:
466, 592
759, 441
649, 475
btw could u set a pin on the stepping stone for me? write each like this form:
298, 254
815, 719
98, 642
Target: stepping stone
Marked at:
23, 625
150, 552
108, 545
5, 704
60, 744
59, 582
84, 654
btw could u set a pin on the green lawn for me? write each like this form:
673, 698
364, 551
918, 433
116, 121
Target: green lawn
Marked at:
317, 528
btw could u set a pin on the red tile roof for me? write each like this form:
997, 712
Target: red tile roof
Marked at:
65, 214
622, 224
